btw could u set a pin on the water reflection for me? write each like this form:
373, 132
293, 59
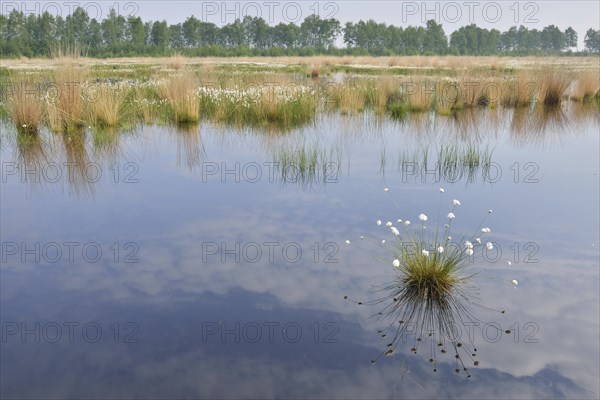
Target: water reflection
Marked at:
30, 157
190, 150
171, 292
420, 316
81, 173
307, 165
452, 163
545, 126
461, 142
106, 143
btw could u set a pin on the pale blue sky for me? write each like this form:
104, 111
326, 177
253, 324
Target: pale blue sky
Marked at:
581, 14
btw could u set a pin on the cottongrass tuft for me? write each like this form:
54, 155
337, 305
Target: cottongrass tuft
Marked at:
432, 293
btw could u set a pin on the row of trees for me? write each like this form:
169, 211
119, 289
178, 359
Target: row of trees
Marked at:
37, 35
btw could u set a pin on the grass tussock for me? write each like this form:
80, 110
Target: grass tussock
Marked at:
177, 61
587, 87
519, 92
429, 278
419, 95
349, 98
180, 92
381, 96
106, 108
474, 91
25, 108
66, 109
431, 294
270, 106
553, 84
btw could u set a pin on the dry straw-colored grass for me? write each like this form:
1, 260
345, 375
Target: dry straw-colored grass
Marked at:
419, 94
349, 98
107, 105
25, 107
587, 86
386, 88
66, 111
553, 84
177, 61
471, 90
519, 92
180, 91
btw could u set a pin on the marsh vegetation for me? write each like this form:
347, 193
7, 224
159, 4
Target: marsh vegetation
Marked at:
71, 93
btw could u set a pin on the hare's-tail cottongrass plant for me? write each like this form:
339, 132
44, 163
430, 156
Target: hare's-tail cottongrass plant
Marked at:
432, 297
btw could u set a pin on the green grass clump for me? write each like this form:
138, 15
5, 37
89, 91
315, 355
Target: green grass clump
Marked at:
268, 108
431, 295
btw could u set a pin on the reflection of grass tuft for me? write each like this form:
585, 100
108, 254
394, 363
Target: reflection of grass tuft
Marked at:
452, 162
306, 165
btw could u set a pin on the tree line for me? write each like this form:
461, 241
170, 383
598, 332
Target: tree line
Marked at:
39, 35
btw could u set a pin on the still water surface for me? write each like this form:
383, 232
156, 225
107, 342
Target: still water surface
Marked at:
181, 263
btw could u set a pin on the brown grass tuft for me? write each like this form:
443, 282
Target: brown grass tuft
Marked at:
587, 87
553, 84
66, 111
180, 91
25, 107
520, 92
105, 109
177, 61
